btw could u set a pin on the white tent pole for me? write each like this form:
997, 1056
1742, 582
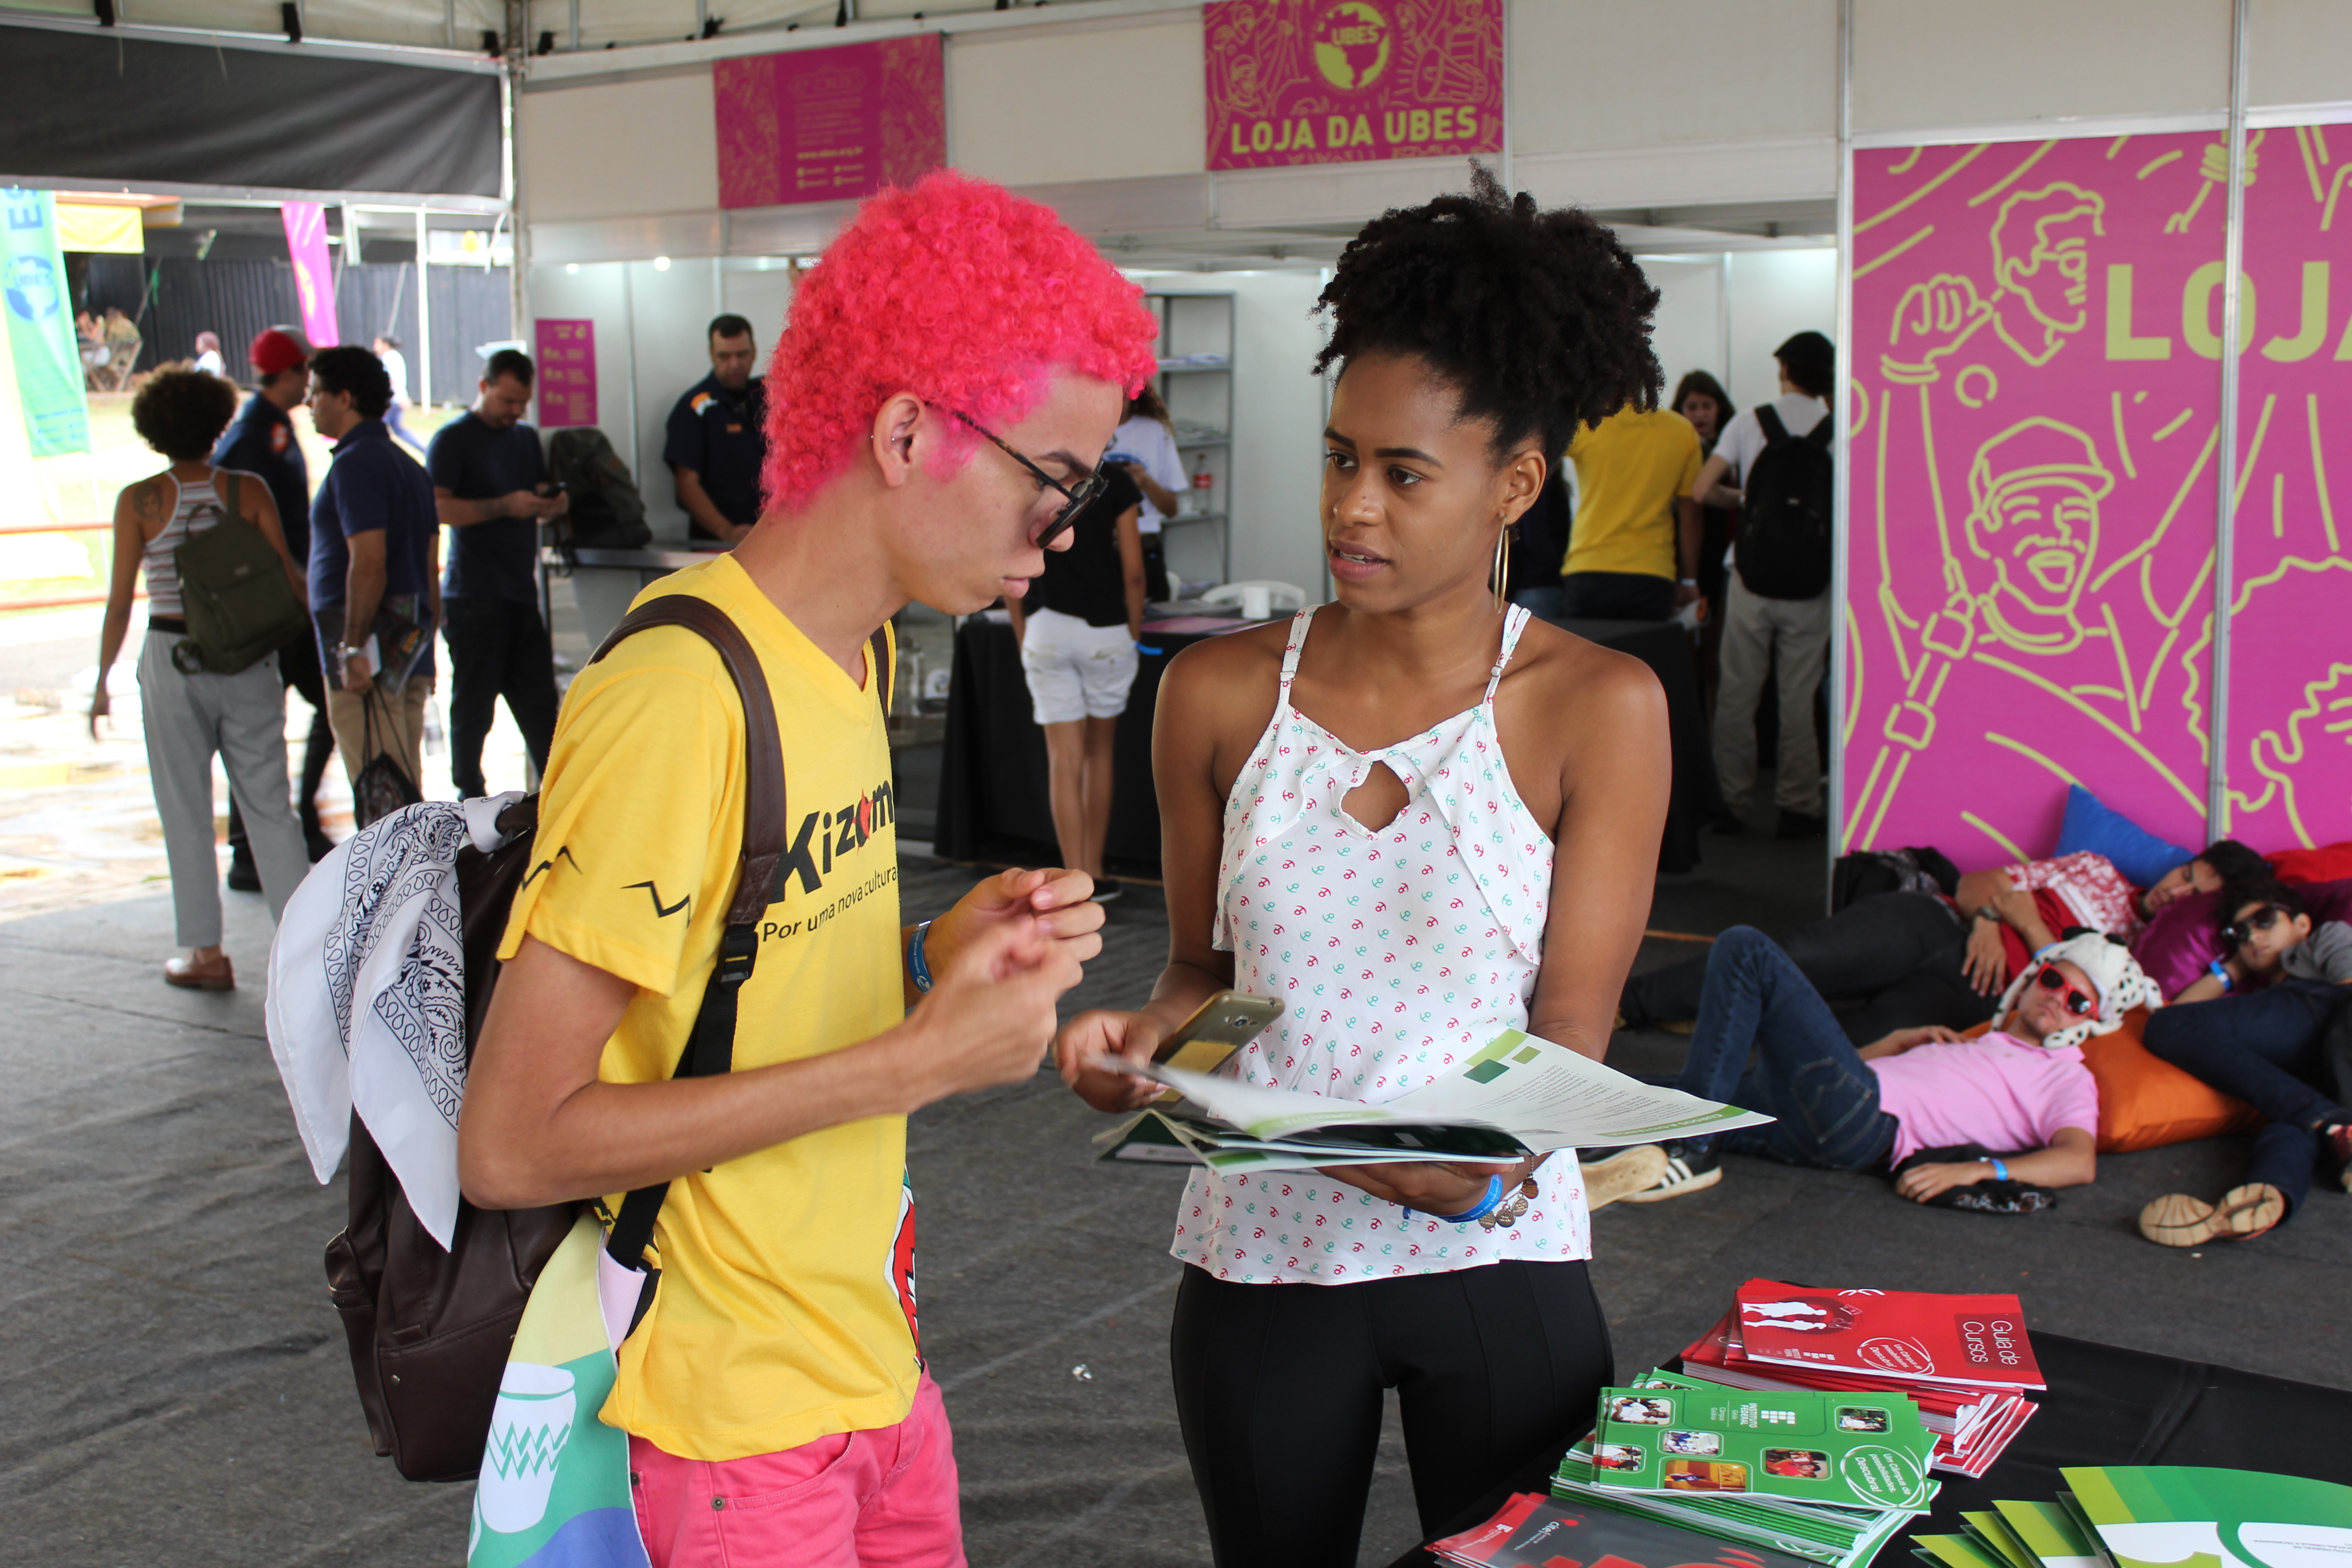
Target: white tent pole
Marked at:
424, 318
2225, 514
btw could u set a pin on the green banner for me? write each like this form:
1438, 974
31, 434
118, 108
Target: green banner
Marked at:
40, 327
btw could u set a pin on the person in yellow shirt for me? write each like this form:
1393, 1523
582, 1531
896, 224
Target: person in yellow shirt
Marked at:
1633, 551
955, 366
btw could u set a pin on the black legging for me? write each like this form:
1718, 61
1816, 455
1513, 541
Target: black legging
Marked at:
1278, 1388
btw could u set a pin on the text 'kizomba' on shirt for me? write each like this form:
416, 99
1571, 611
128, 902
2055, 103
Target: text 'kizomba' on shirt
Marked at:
786, 1311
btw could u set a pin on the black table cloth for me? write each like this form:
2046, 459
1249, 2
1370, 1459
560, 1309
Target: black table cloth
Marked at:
2105, 1406
992, 801
993, 785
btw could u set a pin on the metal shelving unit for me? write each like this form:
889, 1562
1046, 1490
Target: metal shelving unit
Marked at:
1195, 327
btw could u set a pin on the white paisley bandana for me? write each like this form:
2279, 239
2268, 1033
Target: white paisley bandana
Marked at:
367, 997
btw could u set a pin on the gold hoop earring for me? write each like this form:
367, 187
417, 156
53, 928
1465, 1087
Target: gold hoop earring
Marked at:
1502, 572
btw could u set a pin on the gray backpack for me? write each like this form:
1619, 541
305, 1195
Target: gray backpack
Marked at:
233, 591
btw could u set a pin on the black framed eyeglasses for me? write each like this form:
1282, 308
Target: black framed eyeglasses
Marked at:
1076, 499
2239, 930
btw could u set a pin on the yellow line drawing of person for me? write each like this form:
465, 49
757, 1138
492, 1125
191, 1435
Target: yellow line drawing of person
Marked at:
2033, 518
2040, 290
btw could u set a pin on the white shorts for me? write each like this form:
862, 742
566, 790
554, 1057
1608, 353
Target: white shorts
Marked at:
1076, 671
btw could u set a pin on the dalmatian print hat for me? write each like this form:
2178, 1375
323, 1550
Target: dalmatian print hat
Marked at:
2121, 983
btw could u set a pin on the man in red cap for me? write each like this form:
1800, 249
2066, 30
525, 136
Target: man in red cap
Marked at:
261, 442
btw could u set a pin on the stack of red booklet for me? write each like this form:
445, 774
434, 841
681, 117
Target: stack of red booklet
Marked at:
1964, 1359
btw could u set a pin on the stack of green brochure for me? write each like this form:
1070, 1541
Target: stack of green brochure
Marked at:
2118, 1517
1828, 1533
1827, 1477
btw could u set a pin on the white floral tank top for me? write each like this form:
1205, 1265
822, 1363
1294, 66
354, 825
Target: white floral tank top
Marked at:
1397, 952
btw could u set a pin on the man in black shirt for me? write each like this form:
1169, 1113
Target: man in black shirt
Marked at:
488, 475
718, 438
262, 442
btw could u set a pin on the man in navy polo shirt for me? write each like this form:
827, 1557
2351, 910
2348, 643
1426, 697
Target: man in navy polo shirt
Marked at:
261, 442
488, 475
373, 542
717, 439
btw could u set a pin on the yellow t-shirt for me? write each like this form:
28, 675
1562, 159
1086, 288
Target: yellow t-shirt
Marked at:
1628, 472
786, 1307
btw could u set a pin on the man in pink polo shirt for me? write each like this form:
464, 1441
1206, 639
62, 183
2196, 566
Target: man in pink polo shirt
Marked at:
2020, 1092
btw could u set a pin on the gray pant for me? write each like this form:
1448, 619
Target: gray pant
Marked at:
188, 718
1757, 632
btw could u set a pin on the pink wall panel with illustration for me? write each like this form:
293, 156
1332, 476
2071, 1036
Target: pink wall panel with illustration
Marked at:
2035, 448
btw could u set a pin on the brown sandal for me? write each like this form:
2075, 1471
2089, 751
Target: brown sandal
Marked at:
2244, 1212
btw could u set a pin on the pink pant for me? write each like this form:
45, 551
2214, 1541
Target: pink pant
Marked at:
885, 1499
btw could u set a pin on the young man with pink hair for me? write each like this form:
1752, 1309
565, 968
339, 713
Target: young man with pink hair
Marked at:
949, 379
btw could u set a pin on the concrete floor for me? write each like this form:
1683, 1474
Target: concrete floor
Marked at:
173, 1385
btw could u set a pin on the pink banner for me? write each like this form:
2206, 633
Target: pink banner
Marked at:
1339, 81
314, 276
2035, 434
2288, 745
566, 352
822, 125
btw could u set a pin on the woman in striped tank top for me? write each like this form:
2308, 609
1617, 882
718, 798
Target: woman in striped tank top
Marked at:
189, 717
1418, 817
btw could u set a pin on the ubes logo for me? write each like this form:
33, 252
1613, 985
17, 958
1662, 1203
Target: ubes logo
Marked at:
1351, 45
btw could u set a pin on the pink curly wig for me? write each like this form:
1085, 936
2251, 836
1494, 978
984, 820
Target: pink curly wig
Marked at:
955, 289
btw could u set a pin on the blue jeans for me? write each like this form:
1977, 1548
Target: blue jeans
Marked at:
2264, 1048
1806, 1072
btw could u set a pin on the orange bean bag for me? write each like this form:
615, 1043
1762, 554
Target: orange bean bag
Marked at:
2145, 1102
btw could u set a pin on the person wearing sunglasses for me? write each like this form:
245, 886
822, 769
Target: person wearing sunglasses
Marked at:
2257, 1027
2022, 1086
948, 381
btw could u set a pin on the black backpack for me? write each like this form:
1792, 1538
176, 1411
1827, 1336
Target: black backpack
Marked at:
429, 1329
607, 511
1783, 543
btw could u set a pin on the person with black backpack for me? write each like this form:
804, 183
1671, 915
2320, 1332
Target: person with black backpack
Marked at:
1774, 464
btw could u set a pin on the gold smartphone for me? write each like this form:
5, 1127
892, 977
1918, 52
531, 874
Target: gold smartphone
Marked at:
1217, 1028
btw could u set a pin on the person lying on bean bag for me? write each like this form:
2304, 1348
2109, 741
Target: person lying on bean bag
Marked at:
2022, 1087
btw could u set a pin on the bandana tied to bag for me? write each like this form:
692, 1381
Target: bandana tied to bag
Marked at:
2114, 974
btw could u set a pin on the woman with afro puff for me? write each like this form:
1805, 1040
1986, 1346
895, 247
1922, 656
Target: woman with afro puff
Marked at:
1418, 817
943, 395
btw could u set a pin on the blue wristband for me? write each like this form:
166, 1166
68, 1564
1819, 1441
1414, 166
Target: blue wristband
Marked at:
915, 967
2220, 972
2000, 1169
1485, 1205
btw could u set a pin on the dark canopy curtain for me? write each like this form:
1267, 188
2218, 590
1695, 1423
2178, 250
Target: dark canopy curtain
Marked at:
98, 105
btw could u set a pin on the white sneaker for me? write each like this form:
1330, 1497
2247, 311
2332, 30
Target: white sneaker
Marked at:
1686, 1171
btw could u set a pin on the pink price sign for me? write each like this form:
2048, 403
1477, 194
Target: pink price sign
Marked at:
567, 372
823, 125
1340, 82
